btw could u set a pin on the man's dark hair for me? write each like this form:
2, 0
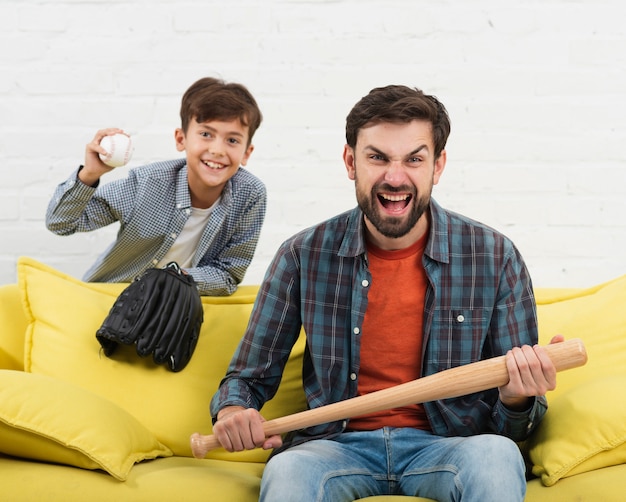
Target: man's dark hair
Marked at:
399, 104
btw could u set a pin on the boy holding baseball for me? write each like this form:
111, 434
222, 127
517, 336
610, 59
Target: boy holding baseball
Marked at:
204, 211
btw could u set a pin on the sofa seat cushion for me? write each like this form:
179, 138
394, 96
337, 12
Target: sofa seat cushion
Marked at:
63, 316
172, 478
43, 418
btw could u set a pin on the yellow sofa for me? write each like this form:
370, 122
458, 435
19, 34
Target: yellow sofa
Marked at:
76, 425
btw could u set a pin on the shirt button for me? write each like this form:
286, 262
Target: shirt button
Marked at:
356, 331
178, 206
188, 211
353, 376
154, 262
365, 283
173, 236
460, 318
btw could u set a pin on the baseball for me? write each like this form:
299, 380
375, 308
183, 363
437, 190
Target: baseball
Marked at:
119, 149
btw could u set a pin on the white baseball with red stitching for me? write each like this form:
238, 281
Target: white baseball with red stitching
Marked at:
119, 149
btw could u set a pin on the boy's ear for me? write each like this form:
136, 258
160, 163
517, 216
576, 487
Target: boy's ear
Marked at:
179, 137
246, 155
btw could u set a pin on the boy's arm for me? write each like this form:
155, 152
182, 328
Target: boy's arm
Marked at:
219, 274
73, 207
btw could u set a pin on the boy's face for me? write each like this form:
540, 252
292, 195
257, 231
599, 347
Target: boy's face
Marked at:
215, 149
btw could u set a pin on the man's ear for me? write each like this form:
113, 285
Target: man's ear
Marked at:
179, 137
349, 161
440, 165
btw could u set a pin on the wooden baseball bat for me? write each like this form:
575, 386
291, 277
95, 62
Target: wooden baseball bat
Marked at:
453, 382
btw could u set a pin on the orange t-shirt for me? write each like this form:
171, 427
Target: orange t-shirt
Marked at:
391, 340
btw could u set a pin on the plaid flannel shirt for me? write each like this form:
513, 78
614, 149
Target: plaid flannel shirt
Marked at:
152, 205
479, 304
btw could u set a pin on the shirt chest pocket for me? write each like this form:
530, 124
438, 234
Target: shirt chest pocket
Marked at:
457, 336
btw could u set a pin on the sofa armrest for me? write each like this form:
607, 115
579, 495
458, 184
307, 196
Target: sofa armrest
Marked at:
12, 328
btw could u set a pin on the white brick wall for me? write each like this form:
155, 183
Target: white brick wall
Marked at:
536, 91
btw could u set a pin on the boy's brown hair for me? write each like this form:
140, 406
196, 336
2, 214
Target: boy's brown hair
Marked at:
398, 104
214, 99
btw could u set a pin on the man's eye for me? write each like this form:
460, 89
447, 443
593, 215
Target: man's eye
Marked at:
415, 159
376, 156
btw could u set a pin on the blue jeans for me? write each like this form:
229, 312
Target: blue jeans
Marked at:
392, 461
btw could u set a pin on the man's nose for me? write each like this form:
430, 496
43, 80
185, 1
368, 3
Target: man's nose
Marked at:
395, 173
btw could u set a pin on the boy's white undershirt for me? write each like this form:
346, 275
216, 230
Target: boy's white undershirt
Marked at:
184, 248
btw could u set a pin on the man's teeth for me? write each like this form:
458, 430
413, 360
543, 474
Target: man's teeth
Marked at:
394, 198
213, 165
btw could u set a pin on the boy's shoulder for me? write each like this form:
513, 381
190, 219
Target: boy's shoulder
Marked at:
245, 177
162, 168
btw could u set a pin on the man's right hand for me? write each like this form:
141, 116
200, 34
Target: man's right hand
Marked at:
239, 429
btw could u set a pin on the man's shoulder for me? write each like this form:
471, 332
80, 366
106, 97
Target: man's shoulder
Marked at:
462, 225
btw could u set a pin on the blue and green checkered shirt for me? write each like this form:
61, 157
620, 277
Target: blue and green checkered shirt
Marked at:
152, 205
479, 304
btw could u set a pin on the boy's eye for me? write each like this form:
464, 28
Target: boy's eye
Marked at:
205, 134
233, 141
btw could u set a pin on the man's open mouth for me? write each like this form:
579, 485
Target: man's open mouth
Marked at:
394, 202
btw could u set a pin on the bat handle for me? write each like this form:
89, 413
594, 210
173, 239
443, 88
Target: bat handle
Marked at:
201, 445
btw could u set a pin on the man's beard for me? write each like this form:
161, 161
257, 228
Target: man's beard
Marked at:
390, 226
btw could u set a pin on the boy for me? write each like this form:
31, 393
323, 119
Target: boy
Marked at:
204, 211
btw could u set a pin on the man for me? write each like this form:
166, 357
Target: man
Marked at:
395, 289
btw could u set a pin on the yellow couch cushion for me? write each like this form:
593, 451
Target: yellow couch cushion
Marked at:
43, 418
597, 316
63, 316
585, 426
584, 430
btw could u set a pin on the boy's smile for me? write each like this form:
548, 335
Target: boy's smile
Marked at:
215, 149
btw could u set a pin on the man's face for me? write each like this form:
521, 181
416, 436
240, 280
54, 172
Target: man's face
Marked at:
394, 170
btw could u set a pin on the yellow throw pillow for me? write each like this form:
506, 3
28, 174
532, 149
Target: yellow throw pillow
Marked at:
584, 429
597, 316
64, 314
43, 418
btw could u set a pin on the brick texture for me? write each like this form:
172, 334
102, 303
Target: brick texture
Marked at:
536, 94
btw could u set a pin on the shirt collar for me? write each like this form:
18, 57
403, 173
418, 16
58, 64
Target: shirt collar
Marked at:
437, 247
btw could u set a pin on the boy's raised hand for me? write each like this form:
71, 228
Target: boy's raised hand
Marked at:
94, 168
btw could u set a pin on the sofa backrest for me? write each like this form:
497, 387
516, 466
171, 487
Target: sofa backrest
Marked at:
63, 315
12, 328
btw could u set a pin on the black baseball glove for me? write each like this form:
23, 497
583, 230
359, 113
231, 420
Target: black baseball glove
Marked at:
161, 313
